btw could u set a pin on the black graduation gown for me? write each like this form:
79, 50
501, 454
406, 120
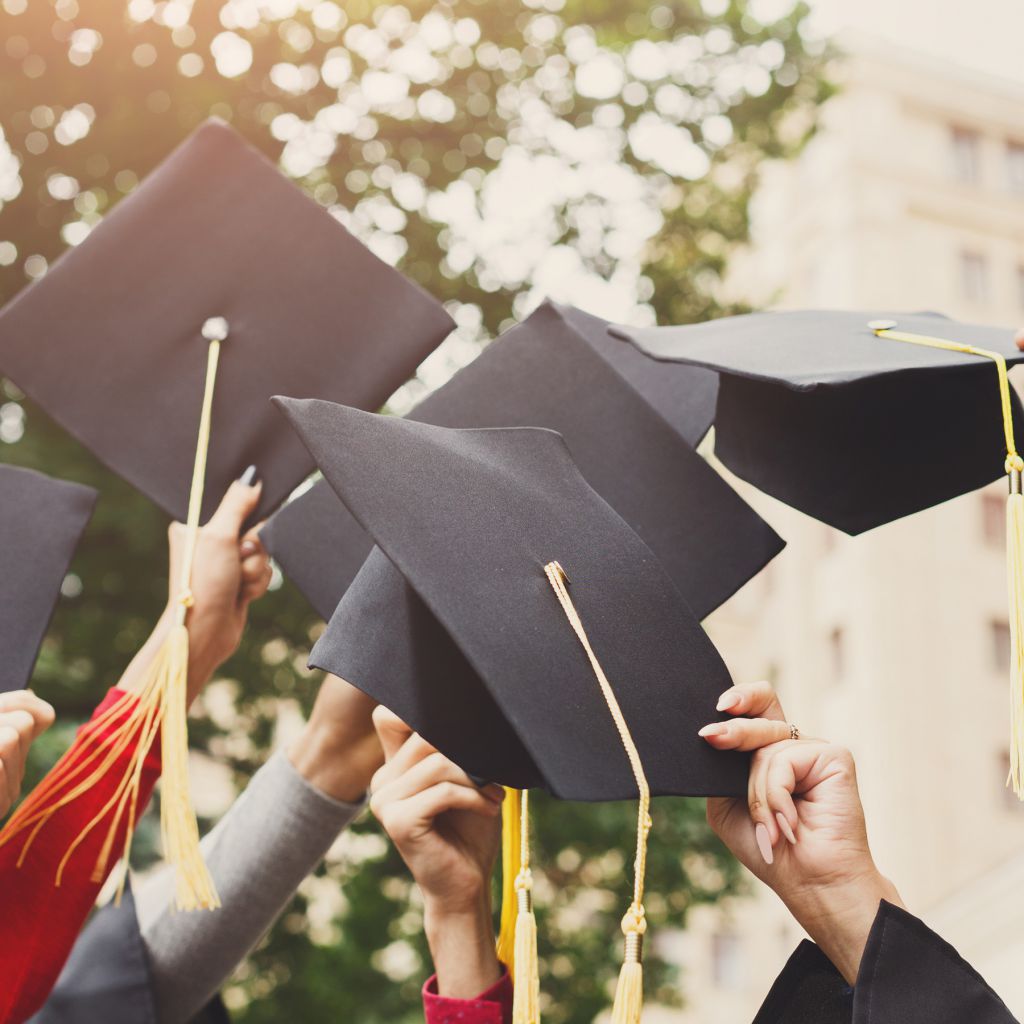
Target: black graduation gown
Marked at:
908, 975
107, 977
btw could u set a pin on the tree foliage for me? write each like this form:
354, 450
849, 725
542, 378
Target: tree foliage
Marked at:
602, 152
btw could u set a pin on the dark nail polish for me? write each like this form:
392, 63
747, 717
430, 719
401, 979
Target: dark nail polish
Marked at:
249, 478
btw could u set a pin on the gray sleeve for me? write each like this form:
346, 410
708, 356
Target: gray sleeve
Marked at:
273, 836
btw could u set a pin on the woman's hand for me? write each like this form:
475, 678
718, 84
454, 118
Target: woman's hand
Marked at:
801, 829
229, 572
23, 716
448, 832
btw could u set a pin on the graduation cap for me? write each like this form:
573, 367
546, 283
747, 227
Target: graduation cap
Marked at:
859, 418
158, 341
41, 521
562, 370
593, 694
111, 341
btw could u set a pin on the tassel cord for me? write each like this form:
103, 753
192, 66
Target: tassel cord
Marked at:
1014, 466
629, 990
161, 705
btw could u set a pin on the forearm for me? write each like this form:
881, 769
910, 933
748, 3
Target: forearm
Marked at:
274, 835
839, 917
462, 947
338, 750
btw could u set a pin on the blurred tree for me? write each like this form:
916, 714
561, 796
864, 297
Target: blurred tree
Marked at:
601, 152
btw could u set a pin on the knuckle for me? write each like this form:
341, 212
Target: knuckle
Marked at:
22, 721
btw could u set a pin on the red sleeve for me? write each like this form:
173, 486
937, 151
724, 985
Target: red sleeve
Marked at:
40, 921
491, 1007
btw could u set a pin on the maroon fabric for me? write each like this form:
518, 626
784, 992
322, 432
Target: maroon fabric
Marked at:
491, 1007
40, 921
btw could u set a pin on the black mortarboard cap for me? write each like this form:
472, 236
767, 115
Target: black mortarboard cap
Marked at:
111, 340
470, 518
41, 520
561, 370
853, 428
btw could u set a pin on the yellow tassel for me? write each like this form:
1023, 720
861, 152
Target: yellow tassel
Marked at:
510, 867
526, 987
526, 979
629, 992
194, 888
160, 703
1014, 534
1015, 578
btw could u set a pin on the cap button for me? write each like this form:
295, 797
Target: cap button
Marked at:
215, 328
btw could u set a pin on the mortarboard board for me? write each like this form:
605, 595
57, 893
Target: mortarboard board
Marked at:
469, 518
658, 384
41, 520
216, 254
483, 524
560, 369
817, 410
110, 340
859, 418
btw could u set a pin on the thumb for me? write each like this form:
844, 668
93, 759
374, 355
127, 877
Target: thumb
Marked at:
237, 505
391, 730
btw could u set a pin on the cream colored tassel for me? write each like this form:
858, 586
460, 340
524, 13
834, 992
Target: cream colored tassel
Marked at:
179, 831
161, 703
629, 992
1015, 579
526, 986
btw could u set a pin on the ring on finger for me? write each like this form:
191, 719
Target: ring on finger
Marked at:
794, 732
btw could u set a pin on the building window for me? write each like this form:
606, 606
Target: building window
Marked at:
1015, 167
728, 963
993, 518
999, 636
966, 162
836, 654
974, 276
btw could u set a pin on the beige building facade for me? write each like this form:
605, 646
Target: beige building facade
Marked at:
894, 643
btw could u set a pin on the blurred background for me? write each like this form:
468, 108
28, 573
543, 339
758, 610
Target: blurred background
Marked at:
648, 162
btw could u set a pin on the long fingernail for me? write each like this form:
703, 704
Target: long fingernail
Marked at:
249, 477
785, 827
714, 729
728, 700
764, 843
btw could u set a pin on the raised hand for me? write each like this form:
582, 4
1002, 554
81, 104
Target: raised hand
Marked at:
801, 829
448, 831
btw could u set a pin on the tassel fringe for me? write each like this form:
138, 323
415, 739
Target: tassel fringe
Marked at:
179, 830
1015, 578
510, 868
160, 702
629, 992
526, 986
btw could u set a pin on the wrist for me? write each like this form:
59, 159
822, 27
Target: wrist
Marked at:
461, 941
337, 763
839, 916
